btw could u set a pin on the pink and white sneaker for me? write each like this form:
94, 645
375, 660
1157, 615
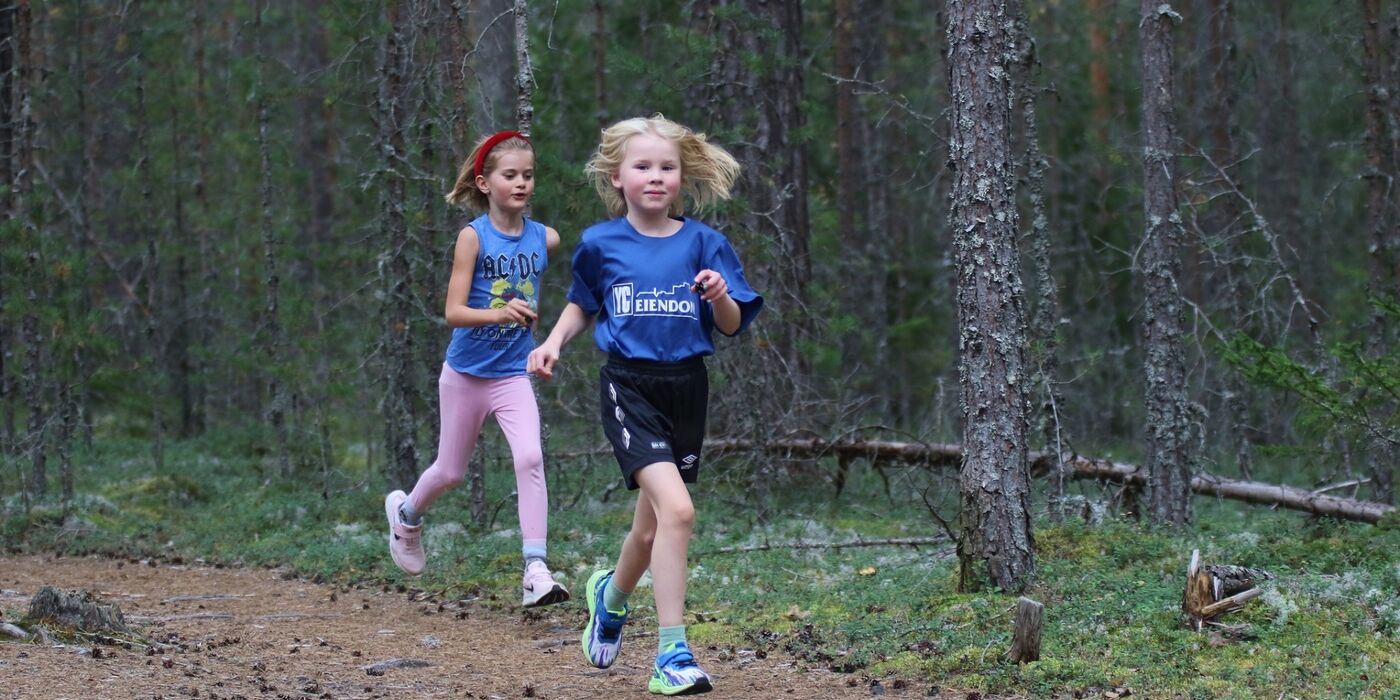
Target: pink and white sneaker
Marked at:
539, 586
405, 541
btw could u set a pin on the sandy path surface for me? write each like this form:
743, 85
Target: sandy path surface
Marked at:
241, 633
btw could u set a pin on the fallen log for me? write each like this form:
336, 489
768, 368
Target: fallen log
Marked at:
1261, 493
936, 454
1081, 467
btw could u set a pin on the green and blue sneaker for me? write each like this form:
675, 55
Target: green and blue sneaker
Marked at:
602, 638
676, 673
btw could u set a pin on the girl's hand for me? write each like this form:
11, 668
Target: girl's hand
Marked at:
541, 361
710, 285
518, 311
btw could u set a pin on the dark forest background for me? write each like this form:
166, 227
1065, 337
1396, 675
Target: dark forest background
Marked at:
226, 219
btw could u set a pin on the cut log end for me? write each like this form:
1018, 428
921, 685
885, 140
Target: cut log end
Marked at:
1213, 590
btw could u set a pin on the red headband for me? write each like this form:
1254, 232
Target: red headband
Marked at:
491, 143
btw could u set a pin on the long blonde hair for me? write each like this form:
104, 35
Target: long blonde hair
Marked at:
707, 171
465, 192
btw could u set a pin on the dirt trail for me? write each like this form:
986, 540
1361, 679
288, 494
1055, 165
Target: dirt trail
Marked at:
238, 633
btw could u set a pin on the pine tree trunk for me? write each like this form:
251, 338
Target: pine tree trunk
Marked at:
869, 349
319, 145
200, 319
32, 338
1169, 458
8, 106
874, 147
780, 178
762, 101
87, 175
396, 273
1383, 278
180, 365
34, 384
490, 26
274, 339
63, 443
157, 326
8, 385
1280, 193
1046, 312
1220, 221
1099, 13
996, 546
600, 65
319, 156
456, 80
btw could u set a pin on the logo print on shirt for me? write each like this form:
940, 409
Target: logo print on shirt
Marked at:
503, 334
622, 299
678, 302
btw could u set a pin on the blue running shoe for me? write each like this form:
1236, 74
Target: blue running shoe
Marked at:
602, 638
676, 673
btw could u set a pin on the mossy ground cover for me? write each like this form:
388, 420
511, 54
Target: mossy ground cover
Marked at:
1327, 626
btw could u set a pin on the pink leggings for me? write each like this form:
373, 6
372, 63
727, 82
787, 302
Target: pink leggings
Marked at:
466, 401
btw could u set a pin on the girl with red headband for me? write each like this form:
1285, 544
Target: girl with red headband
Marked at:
492, 298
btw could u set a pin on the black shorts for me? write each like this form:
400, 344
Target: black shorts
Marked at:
654, 412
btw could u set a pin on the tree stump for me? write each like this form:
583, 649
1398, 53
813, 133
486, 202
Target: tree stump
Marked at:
1025, 645
1213, 590
76, 610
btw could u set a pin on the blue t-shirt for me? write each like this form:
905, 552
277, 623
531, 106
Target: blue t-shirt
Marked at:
507, 267
640, 287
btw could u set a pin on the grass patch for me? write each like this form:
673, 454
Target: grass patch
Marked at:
1329, 626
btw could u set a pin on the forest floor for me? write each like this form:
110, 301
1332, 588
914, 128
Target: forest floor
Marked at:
255, 633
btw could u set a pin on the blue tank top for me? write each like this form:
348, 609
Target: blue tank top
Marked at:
507, 267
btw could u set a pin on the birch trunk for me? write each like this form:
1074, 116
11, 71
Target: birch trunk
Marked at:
996, 544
